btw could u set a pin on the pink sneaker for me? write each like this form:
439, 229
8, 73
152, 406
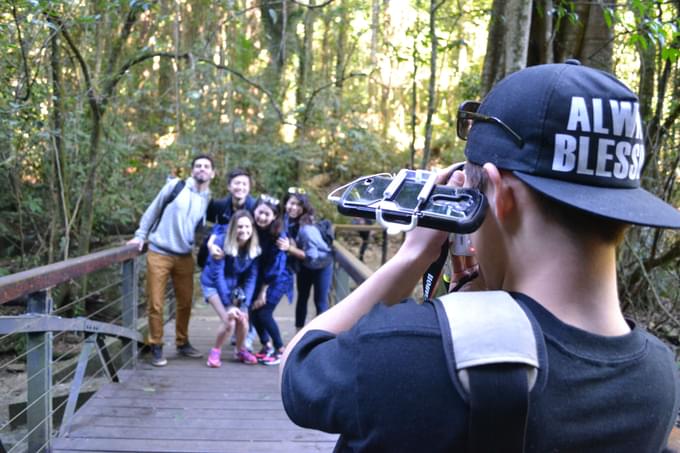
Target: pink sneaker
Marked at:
246, 356
214, 358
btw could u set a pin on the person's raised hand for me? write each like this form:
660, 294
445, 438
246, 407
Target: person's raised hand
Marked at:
216, 252
427, 242
283, 244
466, 275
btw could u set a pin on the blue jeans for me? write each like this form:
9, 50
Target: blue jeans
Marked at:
321, 280
266, 326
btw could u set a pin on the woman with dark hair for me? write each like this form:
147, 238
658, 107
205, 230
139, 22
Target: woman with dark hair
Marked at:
313, 254
275, 278
229, 284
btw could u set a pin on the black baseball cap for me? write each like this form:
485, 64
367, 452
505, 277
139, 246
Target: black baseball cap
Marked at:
574, 134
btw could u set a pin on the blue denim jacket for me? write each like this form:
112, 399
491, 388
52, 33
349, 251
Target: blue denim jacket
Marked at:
275, 270
231, 271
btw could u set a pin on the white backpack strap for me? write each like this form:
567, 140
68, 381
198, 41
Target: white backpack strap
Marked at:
493, 359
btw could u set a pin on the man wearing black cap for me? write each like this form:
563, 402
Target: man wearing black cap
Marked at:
557, 150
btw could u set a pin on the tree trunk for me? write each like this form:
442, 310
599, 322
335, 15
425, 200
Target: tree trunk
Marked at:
305, 58
414, 100
373, 55
508, 42
278, 22
341, 49
87, 203
587, 39
55, 155
386, 85
431, 87
542, 34
375, 31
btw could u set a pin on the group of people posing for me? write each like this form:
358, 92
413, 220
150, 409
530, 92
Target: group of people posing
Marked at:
255, 250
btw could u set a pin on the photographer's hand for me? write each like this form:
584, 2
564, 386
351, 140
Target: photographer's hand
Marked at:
466, 275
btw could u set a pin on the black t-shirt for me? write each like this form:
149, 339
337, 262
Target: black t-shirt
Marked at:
220, 211
384, 386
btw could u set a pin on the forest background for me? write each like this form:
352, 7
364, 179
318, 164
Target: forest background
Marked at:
100, 101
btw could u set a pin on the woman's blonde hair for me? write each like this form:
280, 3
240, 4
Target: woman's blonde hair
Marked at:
231, 243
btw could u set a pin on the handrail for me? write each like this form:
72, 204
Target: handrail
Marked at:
39, 278
44, 323
40, 324
348, 228
356, 269
352, 227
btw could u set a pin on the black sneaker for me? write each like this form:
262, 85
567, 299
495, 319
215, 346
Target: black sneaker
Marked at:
189, 351
157, 358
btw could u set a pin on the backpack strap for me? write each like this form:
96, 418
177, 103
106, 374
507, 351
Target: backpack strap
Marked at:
175, 191
493, 357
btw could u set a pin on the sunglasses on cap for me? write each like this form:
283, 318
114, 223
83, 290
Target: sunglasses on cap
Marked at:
269, 199
467, 115
297, 190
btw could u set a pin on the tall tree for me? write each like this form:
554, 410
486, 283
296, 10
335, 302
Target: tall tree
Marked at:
575, 29
57, 157
508, 41
431, 98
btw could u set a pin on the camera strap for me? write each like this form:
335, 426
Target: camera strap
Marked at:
433, 275
492, 349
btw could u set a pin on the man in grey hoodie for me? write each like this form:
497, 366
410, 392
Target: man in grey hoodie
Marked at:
169, 228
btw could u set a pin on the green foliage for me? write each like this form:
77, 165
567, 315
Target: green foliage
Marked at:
165, 110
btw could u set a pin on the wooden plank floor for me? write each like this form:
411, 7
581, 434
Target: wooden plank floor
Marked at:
188, 407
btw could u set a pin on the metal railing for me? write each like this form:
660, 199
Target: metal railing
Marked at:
102, 348
344, 229
349, 272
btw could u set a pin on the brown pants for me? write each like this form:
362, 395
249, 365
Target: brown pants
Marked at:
158, 269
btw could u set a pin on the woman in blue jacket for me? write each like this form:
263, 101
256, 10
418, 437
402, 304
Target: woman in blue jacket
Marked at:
228, 284
314, 256
275, 279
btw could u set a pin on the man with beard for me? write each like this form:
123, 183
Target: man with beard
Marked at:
169, 224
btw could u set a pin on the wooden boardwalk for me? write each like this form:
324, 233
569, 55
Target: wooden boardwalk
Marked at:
188, 407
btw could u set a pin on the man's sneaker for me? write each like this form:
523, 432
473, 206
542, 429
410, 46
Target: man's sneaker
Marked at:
246, 356
214, 358
157, 358
189, 351
266, 351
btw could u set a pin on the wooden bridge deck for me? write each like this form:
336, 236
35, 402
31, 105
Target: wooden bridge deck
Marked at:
188, 407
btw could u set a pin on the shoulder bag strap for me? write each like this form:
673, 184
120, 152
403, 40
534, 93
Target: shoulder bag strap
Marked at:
492, 355
175, 191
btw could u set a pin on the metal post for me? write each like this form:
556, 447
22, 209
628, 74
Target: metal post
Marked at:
129, 308
39, 370
105, 358
76, 384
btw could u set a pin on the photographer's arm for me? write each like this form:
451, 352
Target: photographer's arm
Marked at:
393, 282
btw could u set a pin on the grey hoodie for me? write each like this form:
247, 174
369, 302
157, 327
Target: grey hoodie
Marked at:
175, 232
